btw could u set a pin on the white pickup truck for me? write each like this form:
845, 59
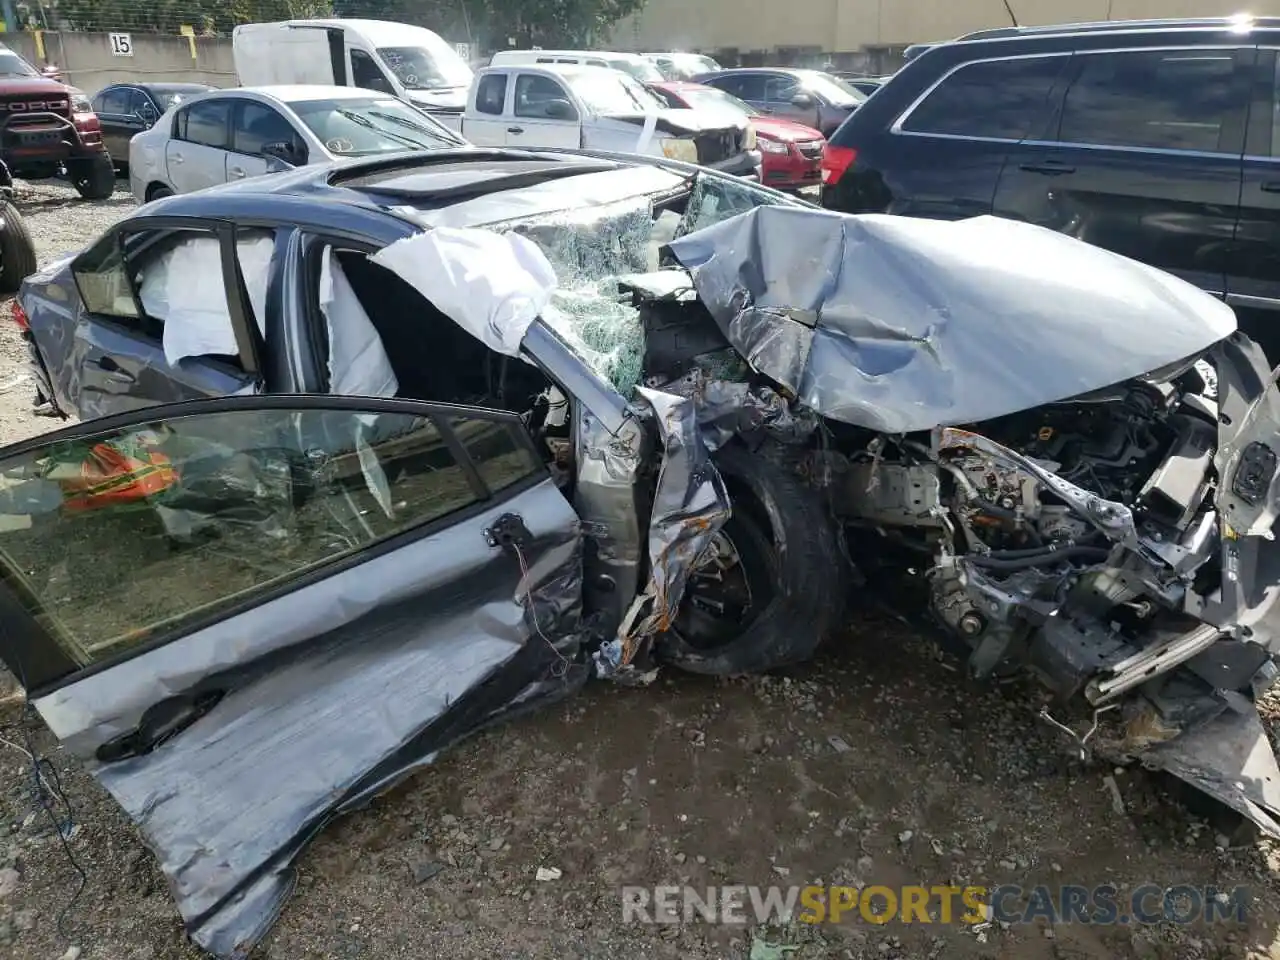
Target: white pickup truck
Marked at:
563, 105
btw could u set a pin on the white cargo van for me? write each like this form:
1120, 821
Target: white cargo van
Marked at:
406, 61
631, 63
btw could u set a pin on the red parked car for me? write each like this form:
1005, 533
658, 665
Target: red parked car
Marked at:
791, 152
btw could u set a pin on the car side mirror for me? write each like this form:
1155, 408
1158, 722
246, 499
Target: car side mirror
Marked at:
803, 100
560, 110
148, 116
282, 152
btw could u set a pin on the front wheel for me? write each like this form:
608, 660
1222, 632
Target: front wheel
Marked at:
770, 588
94, 177
17, 252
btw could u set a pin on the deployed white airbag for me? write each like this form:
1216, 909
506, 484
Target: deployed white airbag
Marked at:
493, 285
184, 289
358, 363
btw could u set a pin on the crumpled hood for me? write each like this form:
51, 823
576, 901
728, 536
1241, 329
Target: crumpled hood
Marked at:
901, 324
681, 121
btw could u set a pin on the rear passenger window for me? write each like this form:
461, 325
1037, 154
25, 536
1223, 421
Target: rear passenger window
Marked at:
997, 99
167, 285
205, 123
1176, 100
491, 95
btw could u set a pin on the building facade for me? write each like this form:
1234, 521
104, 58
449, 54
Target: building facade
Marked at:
800, 30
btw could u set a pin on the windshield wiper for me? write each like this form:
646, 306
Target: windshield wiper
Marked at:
406, 122
368, 124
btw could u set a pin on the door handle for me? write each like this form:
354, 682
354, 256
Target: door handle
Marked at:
515, 129
1271, 186
161, 723
176, 158
236, 172
108, 364
1051, 168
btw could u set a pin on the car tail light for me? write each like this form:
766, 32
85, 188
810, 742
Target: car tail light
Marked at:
835, 161
20, 317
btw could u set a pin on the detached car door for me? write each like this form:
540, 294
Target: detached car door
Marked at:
196, 153
251, 614
166, 313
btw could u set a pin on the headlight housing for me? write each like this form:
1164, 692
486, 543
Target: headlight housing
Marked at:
749, 138
680, 148
773, 146
80, 103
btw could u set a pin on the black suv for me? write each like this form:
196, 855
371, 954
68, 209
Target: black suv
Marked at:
1156, 139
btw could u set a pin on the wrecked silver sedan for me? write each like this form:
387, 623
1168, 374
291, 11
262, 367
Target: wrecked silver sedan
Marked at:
389, 451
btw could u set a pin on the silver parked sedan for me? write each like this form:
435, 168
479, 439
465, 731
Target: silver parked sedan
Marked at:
233, 134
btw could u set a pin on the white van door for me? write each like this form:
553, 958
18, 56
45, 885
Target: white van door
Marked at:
543, 114
276, 53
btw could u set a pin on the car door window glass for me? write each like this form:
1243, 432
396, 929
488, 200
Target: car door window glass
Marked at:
491, 95
780, 89
114, 102
997, 99
366, 73
257, 125
168, 286
206, 123
140, 106
1176, 100
533, 93
744, 87
132, 535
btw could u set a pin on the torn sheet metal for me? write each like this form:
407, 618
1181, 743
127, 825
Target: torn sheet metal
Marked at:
726, 409
493, 285
1229, 758
690, 506
900, 324
327, 695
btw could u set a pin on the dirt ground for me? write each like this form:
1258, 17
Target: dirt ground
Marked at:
877, 764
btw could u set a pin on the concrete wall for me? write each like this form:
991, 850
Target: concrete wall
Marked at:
87, 61
850, 25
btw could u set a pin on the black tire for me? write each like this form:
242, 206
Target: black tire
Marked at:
94, 178
158, 191
17, 252
785, 542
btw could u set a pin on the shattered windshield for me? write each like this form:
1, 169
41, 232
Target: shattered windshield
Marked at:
593, 247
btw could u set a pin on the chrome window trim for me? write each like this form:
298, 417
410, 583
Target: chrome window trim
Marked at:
896, 127
1248, 300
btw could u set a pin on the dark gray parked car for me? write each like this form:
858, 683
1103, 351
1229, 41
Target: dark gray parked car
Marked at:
811, 97
462, 429
125, 109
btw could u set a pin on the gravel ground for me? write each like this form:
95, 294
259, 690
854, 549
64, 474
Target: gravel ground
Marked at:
879, 763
